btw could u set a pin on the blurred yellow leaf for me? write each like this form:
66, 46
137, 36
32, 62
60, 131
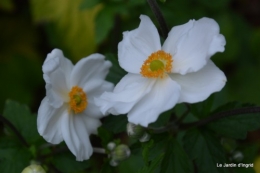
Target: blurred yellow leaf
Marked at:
6, 5
75, 27
257, 165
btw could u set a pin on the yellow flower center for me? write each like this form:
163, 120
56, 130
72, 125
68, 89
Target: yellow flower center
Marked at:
157, 65
78, 100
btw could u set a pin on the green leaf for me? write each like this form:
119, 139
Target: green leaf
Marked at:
215, 5
66, 163
206, 150
153, 165
87, 4
21, 117
176, 159
163, 1
131, 164
163, 119
13, 156
105, 135
106, 167
104, 23
203, 109
235, 126
146, 150
119, 126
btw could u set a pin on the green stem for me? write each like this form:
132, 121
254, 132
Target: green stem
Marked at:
158, 14
175, 128
217, 116
99, 150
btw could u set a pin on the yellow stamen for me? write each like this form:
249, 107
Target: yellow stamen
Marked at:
157, 65
78, 100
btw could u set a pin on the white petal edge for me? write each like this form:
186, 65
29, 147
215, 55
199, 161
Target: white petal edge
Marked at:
49, 121
197, 42
137, 45
126, 94
90, 72
198, 86
53, 61
163, 96
76, 136
57, 69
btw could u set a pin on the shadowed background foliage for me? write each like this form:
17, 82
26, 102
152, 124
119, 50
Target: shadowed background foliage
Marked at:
31, 29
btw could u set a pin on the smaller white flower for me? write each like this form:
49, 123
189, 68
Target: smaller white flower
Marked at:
162, 75
68, 111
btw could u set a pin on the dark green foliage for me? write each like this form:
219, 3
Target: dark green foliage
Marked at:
205, 150
21, 117
13, 156
115, 124
176, 159
235, 126
66, 163
86, 4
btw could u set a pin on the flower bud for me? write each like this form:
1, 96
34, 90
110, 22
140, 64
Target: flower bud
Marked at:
146, 137
237, 156
111, 146
33, 169
135, 131
121, 152
113, 162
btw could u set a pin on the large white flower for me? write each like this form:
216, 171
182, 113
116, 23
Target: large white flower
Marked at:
68, 111
161, 76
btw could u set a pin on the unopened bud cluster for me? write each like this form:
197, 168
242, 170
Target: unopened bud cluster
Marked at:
137, 132
118, 153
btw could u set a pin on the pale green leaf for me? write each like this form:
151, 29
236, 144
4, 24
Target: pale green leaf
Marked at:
74, 28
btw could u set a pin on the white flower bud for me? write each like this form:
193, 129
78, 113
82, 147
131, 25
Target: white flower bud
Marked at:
33, 169
120, 153
113, 163
111, 146
146, 137
237, 156
135, 131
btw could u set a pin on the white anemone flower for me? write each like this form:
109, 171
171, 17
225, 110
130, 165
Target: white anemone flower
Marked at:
68, 111
158, 76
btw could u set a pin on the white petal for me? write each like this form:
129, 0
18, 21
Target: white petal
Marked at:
163, 96
48, 122
90, 72
126, 94
198, 86
91, 124
192, 44
137, 45
55, 60
105, 86
92, 109
56, 69
76, 136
